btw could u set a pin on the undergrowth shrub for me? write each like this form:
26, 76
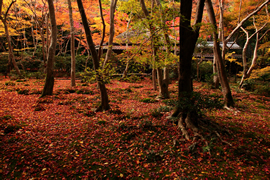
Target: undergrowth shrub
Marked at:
257, 87
263, 90
23, 91
158, 112
12, 128
3, 63
84, 91
170, 102
6, 117
131, 79
155, 113
148, 100
9, 83
249, 85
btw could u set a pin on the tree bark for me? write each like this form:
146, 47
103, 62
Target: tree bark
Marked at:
104, 96
228, 99
10, 48
163, 79
100, 50
127, 41
247, 71
188, 38
240, 24
111, 35
49, 81
72, 45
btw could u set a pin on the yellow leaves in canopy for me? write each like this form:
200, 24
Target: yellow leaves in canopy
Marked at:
229, 57
98, 24
127, 6
23, 49
257, 73
265, 45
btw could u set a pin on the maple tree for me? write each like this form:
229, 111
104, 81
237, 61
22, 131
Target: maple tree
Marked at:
188, 38
111, 32
250, 11
104, 96
228, 99
49, 81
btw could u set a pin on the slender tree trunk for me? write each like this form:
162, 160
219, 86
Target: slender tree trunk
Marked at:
100, 49
10, 49
164, 80
49, 81
153, 44
101, 84
240, 24
72, 45
247, 71
162, 75
127, 41
244, 58
228, 99
43, 44
111, 35
48, 39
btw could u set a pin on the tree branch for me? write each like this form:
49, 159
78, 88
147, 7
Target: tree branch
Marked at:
9, 8
245, 19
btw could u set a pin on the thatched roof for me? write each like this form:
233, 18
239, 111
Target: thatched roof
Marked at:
135, 36
132, 35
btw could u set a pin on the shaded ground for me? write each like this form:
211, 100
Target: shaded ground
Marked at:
61, 137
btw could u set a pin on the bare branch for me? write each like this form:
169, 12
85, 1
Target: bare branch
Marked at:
245, 19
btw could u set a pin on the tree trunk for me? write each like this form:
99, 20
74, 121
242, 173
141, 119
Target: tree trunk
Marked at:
188, 39
246, 71
43, 45
111, 35
163, 86
153, 43
49, 81
240, 24
228, 100
127, 41
10, 49
215, 73
72, 45
244, 58
104, 96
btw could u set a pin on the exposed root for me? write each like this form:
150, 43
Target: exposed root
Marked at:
191, 121
190, 124
182, 127
230, 109
222, 139
102, 108
199, 126
215, 126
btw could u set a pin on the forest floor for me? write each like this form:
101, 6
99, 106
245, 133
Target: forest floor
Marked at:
61, 137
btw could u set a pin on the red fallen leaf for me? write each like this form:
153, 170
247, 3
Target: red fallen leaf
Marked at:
66, 130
